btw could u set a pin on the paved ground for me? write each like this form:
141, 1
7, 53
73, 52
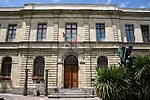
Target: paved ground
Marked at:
30, 97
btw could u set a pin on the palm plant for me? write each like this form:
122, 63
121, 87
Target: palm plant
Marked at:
112, 83
142, 76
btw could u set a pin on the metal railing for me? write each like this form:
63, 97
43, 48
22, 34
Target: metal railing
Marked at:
83, 90
57, 90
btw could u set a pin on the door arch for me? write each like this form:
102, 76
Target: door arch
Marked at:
71, 72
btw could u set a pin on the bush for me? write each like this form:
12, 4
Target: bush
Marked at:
142, 76
112, 83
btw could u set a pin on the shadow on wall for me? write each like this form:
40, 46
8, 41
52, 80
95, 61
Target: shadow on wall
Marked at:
5, 86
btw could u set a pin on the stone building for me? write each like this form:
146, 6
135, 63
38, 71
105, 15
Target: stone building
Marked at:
70, 40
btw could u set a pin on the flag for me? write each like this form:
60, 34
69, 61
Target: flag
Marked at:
64, 36
75, 39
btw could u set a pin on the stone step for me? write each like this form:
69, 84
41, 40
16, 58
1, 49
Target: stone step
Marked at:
70, 96
70, 93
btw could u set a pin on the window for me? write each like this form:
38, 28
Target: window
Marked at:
130, 33
41, 34
100, 32
71, 32
6, 66
38, 69
102, 61
11, 33
71, 60
145, 33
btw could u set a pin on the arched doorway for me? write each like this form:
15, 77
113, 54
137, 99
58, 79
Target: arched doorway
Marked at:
71, 72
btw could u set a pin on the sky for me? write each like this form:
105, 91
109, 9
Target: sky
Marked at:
120, 3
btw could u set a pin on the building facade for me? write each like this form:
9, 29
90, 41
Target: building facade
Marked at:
69, 40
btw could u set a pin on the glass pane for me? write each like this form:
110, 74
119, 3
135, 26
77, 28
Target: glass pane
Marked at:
97, 31
127, 35
15, 26
68, 26
68, 31
13, 36
10, 27
74, 26
73, 35
102, 26
102, 35
131, 27
68, 35
103, 39
127, 28
39, 39
39, 35
44, 35
74, 31
44, 31
10, 32
97, 26
9, 36
132, 36
14, 31
40, 31
44, 26
9, 40
98, 37
44, 39
128, 39
40, 26
146, 34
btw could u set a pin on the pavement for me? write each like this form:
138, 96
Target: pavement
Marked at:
30, 97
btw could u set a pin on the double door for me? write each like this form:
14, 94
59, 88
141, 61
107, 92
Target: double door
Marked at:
71, 76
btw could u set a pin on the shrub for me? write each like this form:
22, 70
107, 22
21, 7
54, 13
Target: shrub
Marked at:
112, 83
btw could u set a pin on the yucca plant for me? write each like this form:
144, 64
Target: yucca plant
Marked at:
142, 76
111, 83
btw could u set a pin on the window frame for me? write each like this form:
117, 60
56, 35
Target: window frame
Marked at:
144, 35
100, 39
7, 69
104, 58
40, 39
36, 68
12, 32
71, 34
129, 35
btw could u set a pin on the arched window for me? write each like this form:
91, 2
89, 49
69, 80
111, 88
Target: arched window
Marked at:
6, 66
38, 69
71, 60
102, 61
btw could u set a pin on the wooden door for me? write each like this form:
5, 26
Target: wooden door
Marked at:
74, 81
71, 76
67, 77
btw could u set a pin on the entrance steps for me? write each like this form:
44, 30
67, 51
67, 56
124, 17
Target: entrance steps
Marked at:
70, 93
